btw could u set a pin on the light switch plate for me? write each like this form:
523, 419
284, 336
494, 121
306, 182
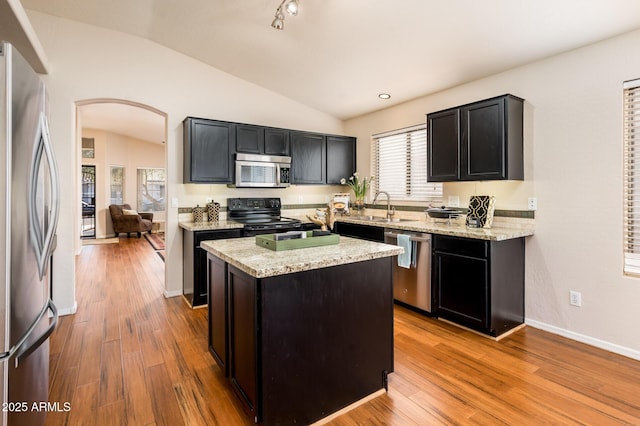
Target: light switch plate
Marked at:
453, 201
174, 203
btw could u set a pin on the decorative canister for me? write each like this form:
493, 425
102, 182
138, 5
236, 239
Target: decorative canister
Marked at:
213, 212
198, 213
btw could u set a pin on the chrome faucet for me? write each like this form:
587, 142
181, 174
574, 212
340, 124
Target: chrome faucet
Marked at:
390, 212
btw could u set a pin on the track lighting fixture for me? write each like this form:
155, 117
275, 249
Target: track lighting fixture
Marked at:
290, 6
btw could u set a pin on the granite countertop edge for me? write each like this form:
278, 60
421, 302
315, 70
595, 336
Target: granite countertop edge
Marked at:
260, 262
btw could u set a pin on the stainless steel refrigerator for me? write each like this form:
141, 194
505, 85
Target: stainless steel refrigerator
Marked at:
29, 206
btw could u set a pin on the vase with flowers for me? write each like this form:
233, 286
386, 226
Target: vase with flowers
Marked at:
360, 186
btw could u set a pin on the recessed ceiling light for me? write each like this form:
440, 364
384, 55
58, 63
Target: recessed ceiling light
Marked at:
384, 96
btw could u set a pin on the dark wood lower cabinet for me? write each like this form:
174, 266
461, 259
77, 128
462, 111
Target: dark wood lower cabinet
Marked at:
302, 346
194, 272
243, 329
478, 283
217, 300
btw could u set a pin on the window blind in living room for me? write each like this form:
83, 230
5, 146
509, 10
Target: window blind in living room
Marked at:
631, 110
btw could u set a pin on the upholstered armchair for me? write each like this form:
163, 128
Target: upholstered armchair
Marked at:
126, 220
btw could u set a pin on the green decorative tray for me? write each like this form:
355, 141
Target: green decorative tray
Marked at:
268, 241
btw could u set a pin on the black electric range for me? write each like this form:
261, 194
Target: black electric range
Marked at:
260, 216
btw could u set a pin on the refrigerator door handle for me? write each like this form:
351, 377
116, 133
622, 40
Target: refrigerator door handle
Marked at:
26, 351
42, 239
21, 352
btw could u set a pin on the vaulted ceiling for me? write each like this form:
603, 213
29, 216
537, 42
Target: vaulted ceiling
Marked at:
338, 55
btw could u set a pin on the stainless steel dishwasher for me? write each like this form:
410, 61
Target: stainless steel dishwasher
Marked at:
412, 285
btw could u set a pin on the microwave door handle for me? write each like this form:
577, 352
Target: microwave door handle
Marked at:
277, 174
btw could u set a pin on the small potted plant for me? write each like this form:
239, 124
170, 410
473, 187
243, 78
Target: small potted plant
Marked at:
359, 187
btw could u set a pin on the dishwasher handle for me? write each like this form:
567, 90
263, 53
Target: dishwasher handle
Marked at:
419, 239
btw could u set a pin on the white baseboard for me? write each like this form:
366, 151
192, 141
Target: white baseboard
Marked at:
173, 293
607, 346
68, 311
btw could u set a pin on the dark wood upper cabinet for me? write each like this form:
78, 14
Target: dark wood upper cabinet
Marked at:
308, 158
249, 139
262, 140
443, 147
478, 141
341, 158
208, 151
210, 147
276, 141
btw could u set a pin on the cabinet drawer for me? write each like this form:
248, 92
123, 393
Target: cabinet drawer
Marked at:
461, 246
216, 235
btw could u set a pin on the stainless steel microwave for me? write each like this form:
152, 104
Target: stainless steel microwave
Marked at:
262, 171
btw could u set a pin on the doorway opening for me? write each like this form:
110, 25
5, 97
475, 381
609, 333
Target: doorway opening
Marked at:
88, 201
127, 136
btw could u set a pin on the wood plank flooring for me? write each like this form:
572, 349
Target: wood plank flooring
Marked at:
131, 357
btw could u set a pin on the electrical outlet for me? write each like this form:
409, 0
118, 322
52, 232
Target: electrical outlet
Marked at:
453, 201
575, 298
533, 203
208, 200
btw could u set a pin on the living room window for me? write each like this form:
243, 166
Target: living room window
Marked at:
116, 185
400, 165
631, 111
151, 190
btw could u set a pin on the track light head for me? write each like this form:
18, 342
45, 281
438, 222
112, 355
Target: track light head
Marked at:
290, 6
278, 21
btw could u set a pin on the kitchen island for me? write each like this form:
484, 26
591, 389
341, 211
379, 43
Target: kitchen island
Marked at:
301, 334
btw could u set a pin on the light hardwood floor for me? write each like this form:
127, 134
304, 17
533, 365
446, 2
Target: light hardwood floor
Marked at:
129, 356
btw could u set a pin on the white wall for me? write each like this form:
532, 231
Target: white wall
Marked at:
573, 156
89, 62
112, 149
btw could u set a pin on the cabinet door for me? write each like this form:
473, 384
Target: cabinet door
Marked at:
308, 158
276, 141
341, 158
218, 335
243, 337
443, 158
483, 142
462, 286
249, 139
208, 151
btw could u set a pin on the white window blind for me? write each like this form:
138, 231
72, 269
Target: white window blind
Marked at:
399, 163
116, 185
151, 190
632, 177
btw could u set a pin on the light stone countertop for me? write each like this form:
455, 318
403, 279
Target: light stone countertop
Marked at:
210, 226
456, 229
494, 233
261, 262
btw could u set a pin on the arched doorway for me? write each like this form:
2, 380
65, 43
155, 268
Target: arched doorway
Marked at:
127, 151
